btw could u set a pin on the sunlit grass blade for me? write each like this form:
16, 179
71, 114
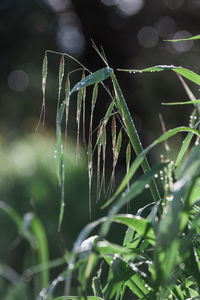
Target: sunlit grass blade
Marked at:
196, 37
61, 75
44, 80
192, 76
182, 103
141, 156
132, 132
185, 146
141, 225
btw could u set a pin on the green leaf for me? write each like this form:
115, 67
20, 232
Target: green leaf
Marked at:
132, 132
141, 225
141, 156
192, 76
196, 37
77, 298
181, 103
95, 77
42, 249
185, 146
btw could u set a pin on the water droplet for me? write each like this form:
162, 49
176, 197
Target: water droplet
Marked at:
161, 178
146, 186
156, 175
197, 143
169, 197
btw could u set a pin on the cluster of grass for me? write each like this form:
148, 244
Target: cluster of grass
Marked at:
159, 257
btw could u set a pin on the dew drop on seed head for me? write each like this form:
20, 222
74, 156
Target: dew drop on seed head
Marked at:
156, 175
146, 186
197, 143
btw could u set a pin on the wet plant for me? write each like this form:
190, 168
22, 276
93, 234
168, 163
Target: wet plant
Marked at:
159, 257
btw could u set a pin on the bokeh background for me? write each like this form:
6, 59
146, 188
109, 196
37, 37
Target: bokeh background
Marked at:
132, 34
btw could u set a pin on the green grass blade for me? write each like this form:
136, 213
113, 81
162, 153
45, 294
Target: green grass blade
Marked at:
192, 76
42, 249
140, 157
77, 298
185, 146
141, 225
16, 218
132, 132
196, 37
135, 189
95, 77
181, 103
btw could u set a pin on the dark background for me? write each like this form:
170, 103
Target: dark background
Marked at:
132, 34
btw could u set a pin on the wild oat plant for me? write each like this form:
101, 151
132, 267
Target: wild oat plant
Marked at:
160, 254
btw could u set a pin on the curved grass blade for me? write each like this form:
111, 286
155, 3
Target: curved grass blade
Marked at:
42, 249
181, 103
141, 225
196, 37
16, 218
185, 146
132, 132
192, 76
141, 156
128, 159
129, 195
93, 78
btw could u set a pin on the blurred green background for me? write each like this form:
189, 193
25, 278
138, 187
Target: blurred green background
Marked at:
132, 34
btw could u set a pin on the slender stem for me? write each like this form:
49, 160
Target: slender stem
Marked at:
132, 132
